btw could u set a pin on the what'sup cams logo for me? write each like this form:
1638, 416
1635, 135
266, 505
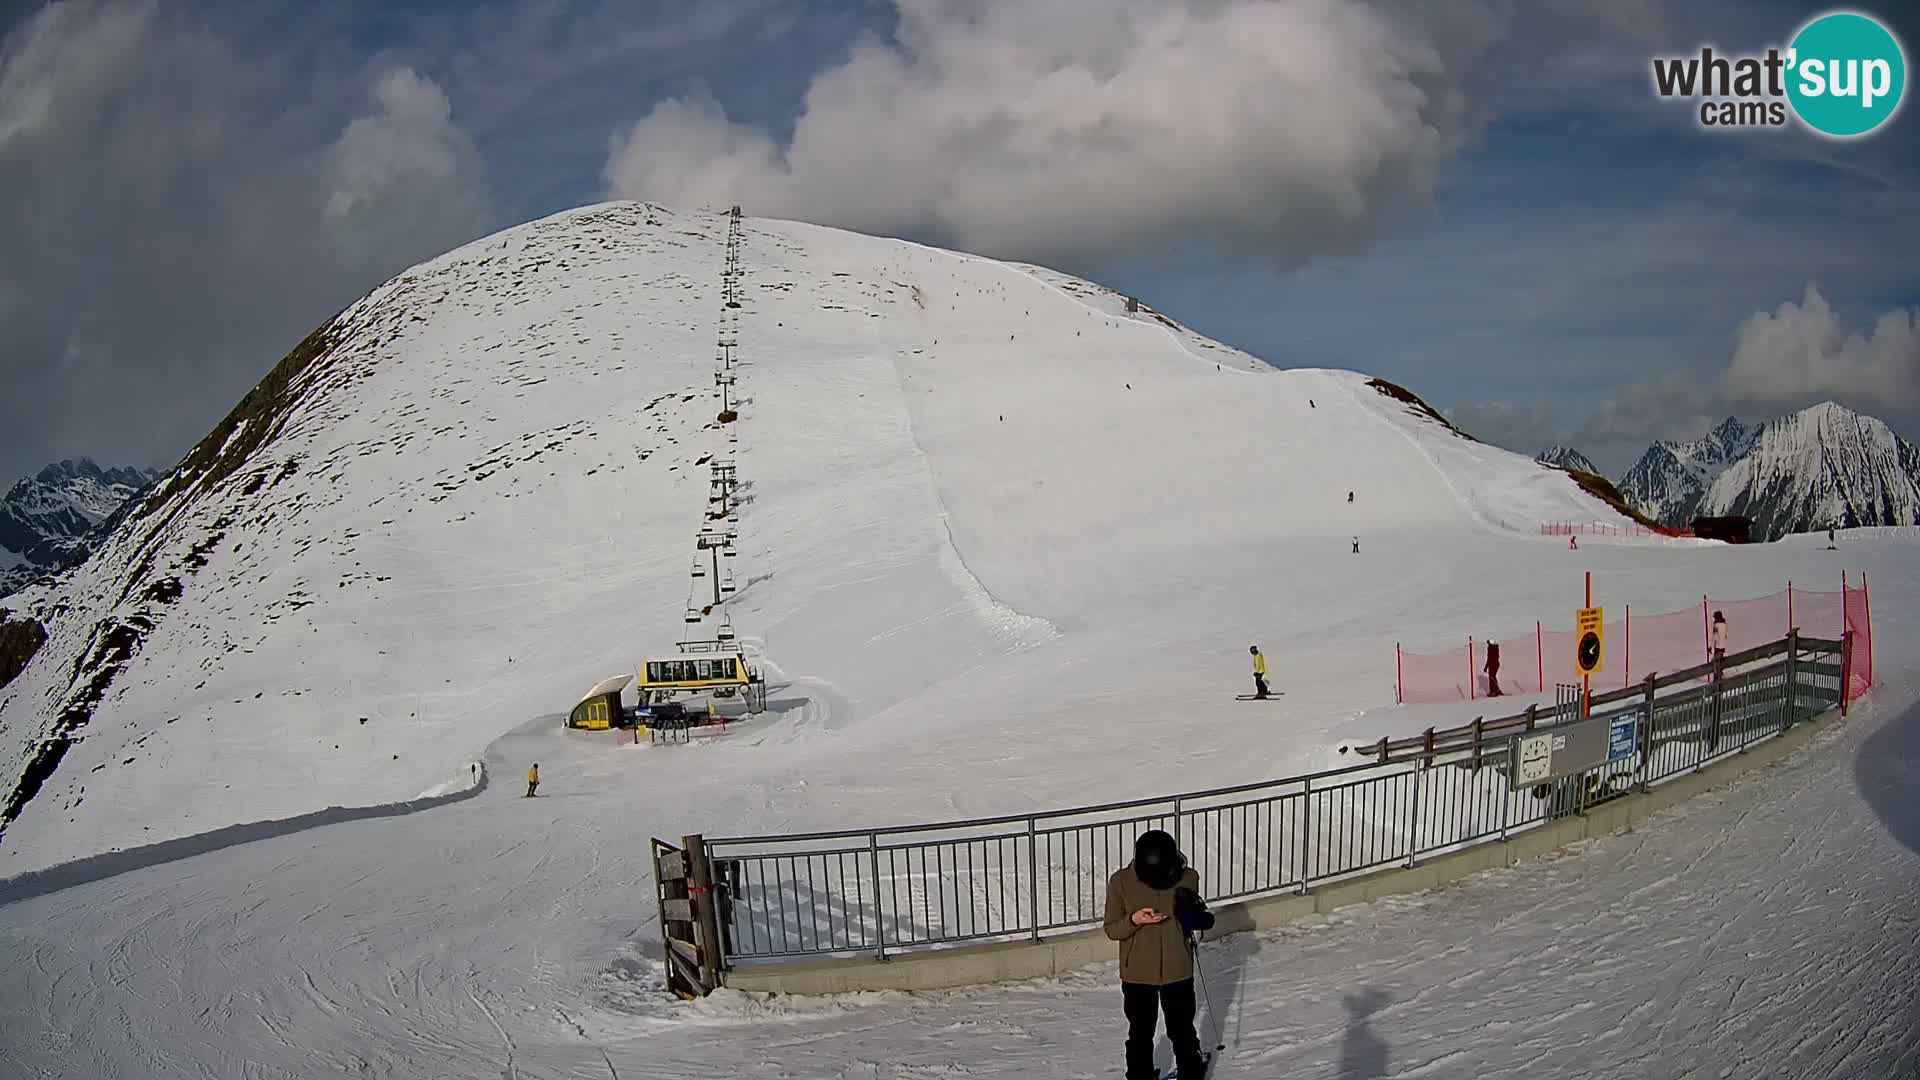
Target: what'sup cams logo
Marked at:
1843, 75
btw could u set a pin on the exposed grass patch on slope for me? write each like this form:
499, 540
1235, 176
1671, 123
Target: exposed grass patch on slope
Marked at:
1402, 394
19, 640
1601, 488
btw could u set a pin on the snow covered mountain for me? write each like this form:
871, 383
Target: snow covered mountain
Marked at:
475, 492
54, 517
1821, 467
1566, 457
1671, 478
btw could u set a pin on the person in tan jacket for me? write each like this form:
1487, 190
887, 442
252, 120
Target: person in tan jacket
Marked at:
1153, 904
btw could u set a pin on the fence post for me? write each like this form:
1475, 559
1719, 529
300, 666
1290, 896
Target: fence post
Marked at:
1846, 665
1626, 673
1033, 878
879, 906
705, 916
1506, 788
1713, 730
1793, 673
1413, 810
1306, 826
1477, 723
1646, 736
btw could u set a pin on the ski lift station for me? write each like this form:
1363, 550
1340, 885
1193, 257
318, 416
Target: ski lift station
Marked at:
600, 709
711, 677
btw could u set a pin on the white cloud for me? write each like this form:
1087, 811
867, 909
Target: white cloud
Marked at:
1800, 351
1090, 128
405, 161
411, 139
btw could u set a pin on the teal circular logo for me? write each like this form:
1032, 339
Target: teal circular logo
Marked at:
1846, 74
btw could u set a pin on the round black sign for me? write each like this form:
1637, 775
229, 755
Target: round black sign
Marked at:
1589, 651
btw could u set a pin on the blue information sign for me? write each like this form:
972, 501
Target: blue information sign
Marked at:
1623, 737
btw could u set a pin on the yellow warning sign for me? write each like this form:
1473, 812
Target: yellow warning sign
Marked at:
1590, 640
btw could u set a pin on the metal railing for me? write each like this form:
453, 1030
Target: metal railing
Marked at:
917, 887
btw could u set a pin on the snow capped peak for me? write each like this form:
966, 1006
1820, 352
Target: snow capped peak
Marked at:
1824, 466
1671, 478
1566, 457
50, 519
1731, 433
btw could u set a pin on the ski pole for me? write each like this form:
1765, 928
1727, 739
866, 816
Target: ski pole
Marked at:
1200, 976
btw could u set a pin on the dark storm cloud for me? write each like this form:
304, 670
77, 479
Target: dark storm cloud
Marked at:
179, 208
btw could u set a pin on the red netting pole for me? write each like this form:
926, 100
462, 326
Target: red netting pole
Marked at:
1469, 669
1843, 604
1626, 677
1866, 598
1399, 680
1539, 659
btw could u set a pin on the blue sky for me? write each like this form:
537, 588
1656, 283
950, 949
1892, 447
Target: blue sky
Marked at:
1478, 198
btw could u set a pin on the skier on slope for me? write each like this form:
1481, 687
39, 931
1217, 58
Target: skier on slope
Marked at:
1493, 669
533, 779
1153, 909
1259, 671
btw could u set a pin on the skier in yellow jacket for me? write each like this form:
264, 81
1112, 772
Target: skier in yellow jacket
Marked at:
1259, 671
533, 779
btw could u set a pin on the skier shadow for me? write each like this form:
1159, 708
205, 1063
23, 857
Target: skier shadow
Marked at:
1885, 768
1363, 1053
1221, 990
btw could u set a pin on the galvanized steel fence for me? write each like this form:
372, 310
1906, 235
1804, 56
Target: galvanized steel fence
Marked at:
890, 890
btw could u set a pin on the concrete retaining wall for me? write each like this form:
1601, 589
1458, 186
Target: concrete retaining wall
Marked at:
1015, 960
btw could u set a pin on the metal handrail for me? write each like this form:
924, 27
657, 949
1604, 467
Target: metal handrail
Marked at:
957, 882
1043, 815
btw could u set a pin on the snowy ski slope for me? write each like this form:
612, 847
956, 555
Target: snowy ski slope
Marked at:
1005, 544
481, 500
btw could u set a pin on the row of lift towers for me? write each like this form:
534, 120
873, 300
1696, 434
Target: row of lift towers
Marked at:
711, 667
717, 543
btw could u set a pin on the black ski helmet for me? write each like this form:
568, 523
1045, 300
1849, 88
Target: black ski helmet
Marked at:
1157, 861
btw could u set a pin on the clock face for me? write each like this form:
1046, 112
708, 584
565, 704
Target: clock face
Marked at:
1589, 651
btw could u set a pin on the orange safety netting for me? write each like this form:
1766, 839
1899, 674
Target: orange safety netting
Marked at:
1639, 645
1607, 528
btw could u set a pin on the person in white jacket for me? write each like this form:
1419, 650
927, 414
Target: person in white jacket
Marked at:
1719, 635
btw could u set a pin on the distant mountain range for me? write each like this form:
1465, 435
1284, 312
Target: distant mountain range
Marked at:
1824, 466
57, 516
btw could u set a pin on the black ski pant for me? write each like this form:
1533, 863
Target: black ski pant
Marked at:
1143, 1001
1259, 685
531, 784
